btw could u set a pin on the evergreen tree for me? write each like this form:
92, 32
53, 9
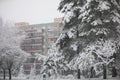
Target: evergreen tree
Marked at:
54, 64
87, 22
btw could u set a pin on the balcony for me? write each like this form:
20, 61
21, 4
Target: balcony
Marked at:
31, 30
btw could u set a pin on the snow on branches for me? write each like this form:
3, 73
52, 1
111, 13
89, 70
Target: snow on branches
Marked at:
95, 54
11, 55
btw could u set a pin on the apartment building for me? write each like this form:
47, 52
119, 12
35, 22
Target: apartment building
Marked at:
39, 38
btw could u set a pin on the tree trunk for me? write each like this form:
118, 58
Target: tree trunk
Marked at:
114, 72
10, 75
104, 72
78, 74
4, 74
91, 72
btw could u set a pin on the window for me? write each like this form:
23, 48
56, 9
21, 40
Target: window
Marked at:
32, 60
53, 39
27, 67
30, 35
38, 41
35, 34
54, 33
36, 47
27, 48
37, 72
38, 34
38, 66
27, 72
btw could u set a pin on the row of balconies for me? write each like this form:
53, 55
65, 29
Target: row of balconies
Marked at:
41, 34
28, 67
32, 59
38, 41
33, 50
31, 43
32, 30
27, 72
33, 40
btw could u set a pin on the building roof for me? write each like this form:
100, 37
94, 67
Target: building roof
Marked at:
21, 24
54, 24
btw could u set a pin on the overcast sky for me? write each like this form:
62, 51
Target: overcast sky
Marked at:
32, 11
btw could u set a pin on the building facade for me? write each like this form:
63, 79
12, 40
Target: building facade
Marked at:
39, 38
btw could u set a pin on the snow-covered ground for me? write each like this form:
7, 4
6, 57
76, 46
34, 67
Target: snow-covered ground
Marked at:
91, 79
14, 78
118, 78
72, 79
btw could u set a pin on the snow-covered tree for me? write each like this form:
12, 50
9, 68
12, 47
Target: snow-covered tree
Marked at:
87, 22
10, 50
21, 72
33, 71
3, 66
53, 64
95, 55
